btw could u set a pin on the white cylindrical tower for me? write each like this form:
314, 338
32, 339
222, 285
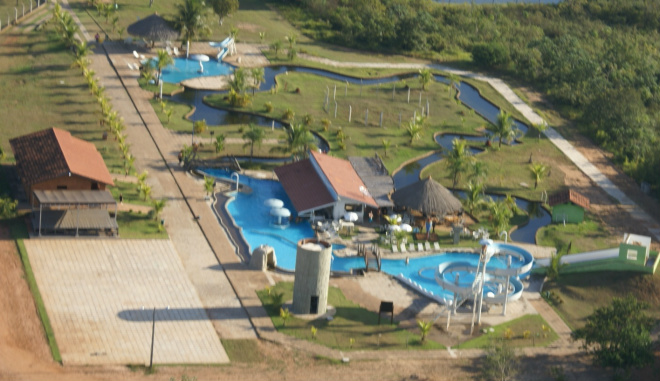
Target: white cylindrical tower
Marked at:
310, 287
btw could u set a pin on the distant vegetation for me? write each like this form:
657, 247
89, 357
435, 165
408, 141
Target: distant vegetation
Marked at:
597, 61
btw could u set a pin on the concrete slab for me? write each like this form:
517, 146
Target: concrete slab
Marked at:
95, 291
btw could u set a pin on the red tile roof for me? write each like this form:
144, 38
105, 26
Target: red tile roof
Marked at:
343, 178
304, 186
51, 153
566, 196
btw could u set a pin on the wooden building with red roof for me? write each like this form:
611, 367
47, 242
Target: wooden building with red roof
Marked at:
66, 178
324, 185
568, 206
52, 159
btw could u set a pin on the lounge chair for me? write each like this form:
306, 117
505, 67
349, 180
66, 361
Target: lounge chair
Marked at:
420, 247
175, 50
411, 247
403, 248
395, 249
168, 50
136, 55
436, 246
427, 246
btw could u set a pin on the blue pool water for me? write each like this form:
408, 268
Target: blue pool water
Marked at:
257, 225
185, 69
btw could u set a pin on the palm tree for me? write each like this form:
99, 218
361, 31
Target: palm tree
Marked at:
146, 192
239, 82
200, 126
233, 32
474, 197
454, 81
292, 40
164, 59
540, 127
190, 20
503, 129
276, 46
424, 328
223, 8
254, 135
538, 171
479, 172
258, 76
158, 206
299, 140
219, 143
415, 128
425, 78
458, 159
386, 145
500, 214
209, 185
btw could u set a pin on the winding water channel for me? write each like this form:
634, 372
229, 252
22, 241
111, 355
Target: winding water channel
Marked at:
410, 173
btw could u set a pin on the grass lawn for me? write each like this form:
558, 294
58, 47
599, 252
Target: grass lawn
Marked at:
579, 294
364, 140
353, 327
586, 236
130, 193
139, 225
526, 331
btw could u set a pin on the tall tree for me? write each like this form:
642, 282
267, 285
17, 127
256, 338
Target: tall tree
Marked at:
258, 76
474, 197
299, 140
190, 20
538, 171
503, 129
425, 78
223, 8
618, 335
219, 143
254, 136
164, 59
458, 159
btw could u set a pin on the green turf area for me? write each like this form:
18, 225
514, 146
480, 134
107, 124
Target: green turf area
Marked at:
139, 225
242, 351
586, 236
576, 296
130, 193
525, 331
352, 328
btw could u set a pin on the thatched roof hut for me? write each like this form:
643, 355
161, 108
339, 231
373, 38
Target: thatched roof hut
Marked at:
153, 28
428, 197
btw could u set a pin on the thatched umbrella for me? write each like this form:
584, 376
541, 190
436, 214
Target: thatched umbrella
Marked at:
428, 197
153, 28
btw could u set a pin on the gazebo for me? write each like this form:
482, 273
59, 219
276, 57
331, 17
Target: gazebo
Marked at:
153, 28
428, 197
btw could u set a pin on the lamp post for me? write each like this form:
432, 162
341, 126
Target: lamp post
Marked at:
153, 335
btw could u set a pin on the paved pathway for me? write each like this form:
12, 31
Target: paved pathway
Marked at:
94, 291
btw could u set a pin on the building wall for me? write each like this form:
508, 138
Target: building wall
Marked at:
70, 182
312, 277
567, 212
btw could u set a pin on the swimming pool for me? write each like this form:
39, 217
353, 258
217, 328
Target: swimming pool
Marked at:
257, 226
183, 69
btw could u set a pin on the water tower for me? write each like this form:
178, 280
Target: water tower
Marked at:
310, 287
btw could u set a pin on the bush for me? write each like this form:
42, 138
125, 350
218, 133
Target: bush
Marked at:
491, 55
268, 106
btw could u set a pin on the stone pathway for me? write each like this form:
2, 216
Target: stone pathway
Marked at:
95, 291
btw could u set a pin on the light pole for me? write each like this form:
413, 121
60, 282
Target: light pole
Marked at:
153, 335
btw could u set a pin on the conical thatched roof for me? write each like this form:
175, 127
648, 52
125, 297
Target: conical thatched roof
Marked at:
428, 197
153, 28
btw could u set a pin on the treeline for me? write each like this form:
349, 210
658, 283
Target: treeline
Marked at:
597, 60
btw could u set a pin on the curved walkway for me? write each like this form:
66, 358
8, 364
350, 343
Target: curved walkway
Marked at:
559, 141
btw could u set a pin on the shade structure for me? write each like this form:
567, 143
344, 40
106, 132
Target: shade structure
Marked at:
279, 213
274, 203
153, 28
200, 57
351, 217
394, 228
428, 197
406, 228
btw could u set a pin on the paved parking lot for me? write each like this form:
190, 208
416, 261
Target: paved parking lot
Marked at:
95, 291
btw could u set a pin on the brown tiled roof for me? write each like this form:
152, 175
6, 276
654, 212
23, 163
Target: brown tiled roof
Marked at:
566, 196
304, 186
343, 178
51, 153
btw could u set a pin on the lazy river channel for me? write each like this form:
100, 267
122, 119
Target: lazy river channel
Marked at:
469, 96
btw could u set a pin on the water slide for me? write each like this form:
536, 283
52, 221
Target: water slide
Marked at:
588, 256
223, 47
458, 277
